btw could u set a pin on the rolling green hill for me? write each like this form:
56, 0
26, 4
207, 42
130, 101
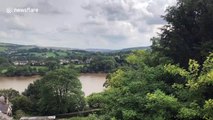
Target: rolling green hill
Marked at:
8, 46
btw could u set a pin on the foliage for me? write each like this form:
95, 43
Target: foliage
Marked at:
57, 92
90, 117
208, 109
9, 93
52, 64
24, 71
61, 92
100, 64
125, 97
173, 81
4, 62
162, 92
160, 105
95, 100
22, 103
188, 34
147, 57
19, 114
198, 86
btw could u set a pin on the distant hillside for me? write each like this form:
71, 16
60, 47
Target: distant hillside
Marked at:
16, 45
135, 48
98, 50
9, 46
121, 50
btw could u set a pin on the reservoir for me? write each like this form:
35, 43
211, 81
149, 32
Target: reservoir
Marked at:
91, 82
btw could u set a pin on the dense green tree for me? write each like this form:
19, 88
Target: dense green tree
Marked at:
23, 71
22, 103
162, 92
52, 64
9, 93
18, 114
4, 62
196, 94
100, 64
61, 92
57, 92
125, 97
95, 100
33, 93
160, 106
188, 34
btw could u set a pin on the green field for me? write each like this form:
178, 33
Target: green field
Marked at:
4, 71
78, 66
39, 67
47, 54
36, 54
62, 53
2, 49
50, 54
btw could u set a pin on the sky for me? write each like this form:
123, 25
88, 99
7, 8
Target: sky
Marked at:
102, 24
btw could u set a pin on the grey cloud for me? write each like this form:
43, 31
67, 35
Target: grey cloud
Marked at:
115, 38
60, 30
112, 10
155, 20
95, 23
128, 10
103, 23
141, 15
13, 23
111, 31
45, 7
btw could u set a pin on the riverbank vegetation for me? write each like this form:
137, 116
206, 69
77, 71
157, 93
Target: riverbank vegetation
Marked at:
171, 81
26, 62
57, 92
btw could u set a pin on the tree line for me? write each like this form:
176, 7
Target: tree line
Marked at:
172, 81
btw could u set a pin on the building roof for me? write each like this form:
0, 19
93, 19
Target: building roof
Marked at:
4, 107
2, 99
4, 117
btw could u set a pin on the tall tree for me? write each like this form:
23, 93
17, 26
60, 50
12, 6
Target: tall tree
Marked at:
188, 34
61, 92
57, 92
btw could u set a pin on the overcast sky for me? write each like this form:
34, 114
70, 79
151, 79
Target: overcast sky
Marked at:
109, 24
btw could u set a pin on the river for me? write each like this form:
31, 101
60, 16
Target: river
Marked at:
91, 83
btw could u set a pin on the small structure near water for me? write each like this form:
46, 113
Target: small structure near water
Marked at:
5, 106
5, 109
5, 117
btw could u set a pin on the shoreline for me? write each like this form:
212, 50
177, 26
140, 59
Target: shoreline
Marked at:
91, 82
98, 73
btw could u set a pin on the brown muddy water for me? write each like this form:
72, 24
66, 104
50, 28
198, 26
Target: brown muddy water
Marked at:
91, 83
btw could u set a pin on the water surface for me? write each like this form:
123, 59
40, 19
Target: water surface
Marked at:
91, 83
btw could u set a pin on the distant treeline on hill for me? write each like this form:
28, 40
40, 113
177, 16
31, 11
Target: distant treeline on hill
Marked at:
23, 60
